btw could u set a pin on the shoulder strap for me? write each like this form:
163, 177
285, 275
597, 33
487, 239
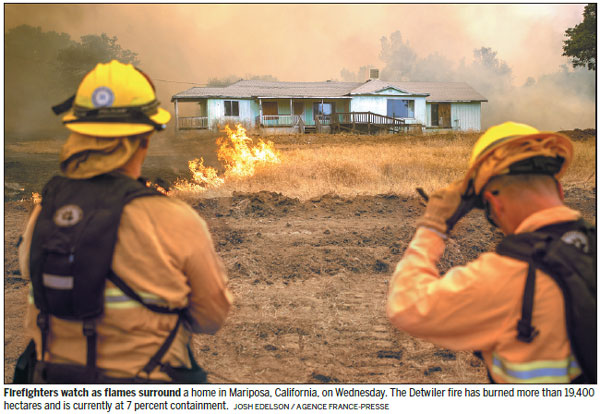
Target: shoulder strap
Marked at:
157, 357
565, 252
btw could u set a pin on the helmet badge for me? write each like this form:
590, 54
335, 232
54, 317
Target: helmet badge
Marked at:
102, 96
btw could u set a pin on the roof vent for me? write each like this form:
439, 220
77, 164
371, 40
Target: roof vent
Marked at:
373, 73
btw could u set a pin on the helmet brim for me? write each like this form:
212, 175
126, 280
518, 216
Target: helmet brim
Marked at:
542, 134
114, 129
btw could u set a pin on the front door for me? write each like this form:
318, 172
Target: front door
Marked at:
444, 115
299, 109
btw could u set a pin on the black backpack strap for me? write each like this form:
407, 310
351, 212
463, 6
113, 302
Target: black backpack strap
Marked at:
157, 357
43, 322
513, 246
525, 331
91, 336
155, 360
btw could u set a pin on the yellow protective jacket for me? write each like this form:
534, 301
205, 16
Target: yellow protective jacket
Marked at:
165, 253
477, 306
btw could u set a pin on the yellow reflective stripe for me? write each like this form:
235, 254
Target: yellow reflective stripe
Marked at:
549, 371
114, 298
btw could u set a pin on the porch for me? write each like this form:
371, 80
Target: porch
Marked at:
365, 122
191, 122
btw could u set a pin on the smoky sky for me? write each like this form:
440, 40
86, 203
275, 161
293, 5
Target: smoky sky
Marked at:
312, 42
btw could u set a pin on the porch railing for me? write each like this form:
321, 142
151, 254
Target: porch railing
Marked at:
192, 122
366, 118
279, 120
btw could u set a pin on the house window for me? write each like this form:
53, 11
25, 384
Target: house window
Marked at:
434, 115
270, 108
298, 108
323, 108
232, 108
401, 108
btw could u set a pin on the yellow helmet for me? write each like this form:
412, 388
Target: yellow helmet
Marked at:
114, 100
514, 148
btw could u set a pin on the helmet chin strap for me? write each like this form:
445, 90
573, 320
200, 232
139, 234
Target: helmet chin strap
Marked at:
488, 214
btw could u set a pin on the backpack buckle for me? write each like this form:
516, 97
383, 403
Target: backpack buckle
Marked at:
89, 327
527, 333
42, 321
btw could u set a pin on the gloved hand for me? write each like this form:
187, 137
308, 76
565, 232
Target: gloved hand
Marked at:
445, 207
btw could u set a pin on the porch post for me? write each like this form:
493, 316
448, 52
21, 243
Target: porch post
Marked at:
176, 116
291, 111
260, 112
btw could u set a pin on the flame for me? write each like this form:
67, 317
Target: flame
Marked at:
156, 187
237, 154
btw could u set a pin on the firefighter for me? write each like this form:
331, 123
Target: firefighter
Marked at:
484, 305
121, 274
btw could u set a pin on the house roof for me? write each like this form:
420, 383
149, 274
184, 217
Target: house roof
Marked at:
268, 89
437, 91
434, 91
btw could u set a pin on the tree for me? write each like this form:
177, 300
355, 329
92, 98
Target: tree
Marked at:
399, 58
580, 44
43, 68
78, 59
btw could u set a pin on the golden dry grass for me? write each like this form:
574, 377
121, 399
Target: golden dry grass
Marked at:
391, 166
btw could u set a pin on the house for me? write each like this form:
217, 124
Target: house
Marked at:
371, 106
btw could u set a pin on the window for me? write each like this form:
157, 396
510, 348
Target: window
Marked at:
298, 108
323, 108
270, 108
401, 108
434, 115
232, 108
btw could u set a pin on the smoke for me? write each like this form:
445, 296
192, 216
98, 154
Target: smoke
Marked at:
564, 99
185, 45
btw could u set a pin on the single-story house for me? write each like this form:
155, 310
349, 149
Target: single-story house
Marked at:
304, 106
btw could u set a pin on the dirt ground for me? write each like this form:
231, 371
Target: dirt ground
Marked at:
310, 281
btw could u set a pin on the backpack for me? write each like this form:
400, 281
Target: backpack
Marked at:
567, 253
70, 259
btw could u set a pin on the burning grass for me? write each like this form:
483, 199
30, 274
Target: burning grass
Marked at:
387, 164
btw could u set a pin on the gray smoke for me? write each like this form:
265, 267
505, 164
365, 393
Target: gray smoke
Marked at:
563, 99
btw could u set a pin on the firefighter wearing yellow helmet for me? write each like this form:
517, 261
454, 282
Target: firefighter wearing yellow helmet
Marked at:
529, 307
122, 276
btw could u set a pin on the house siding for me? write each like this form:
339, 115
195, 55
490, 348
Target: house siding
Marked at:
248, 110
466, 116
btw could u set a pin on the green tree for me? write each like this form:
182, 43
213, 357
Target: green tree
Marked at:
580, 44
42, 69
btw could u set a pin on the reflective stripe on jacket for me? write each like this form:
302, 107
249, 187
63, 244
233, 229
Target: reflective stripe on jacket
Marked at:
477, 306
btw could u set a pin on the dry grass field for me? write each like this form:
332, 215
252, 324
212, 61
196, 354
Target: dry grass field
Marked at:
310, 245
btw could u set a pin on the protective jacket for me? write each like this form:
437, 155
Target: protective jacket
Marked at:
164, 253
477, 307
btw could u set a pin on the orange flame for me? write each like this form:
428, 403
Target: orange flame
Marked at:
156, 187
237, 154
